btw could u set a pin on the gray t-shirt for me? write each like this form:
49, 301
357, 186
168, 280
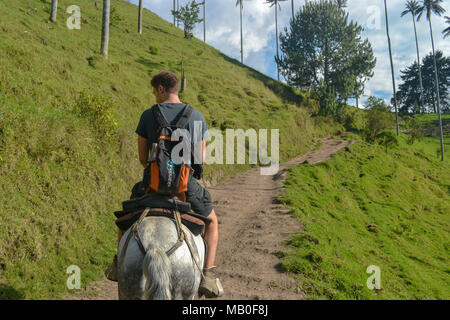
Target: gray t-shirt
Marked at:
147, 127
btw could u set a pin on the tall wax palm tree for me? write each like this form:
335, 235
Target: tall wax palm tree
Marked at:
434, 7
275, 3
411, 7
140, 17
204, 20
105, 27
178, 9
392, 67
174, 9
446, 31
53, 11
293, 14
240, 3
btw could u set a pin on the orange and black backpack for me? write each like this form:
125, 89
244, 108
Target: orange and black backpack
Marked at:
167, 177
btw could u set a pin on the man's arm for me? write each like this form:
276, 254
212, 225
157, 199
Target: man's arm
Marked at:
143, 151
203, 151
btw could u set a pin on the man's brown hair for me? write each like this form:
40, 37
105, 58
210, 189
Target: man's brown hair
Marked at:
168, 80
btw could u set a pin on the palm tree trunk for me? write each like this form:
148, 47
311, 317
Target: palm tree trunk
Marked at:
204, 21
174, 9
178, 9
105, 27
183, 78
438, 99
242, 41
392, 68
140, 17
292, 9
276, 30
418, 63
434, 102
53, 11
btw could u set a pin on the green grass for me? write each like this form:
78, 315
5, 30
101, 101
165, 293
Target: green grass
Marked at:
431, 144
60, 179
368, 207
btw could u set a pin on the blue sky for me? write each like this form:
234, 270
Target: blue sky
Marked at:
222, 32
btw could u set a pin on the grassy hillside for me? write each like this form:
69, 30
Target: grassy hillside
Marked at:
67, 118
431, 143
368, 207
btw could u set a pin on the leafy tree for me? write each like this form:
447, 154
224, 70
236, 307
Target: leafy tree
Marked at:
275, 3
434, 7
412, 7
409, 91
189, 15
329, 105
324, 48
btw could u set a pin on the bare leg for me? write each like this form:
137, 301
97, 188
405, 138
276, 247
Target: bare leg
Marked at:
212, 239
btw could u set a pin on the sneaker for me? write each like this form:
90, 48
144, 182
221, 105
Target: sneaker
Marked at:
210, 286
111, 271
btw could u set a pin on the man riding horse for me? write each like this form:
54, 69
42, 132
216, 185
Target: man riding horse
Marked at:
165, 88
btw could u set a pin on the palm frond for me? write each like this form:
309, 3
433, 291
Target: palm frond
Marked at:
341, 3
430, 7
446, 31
274, 2
411, 6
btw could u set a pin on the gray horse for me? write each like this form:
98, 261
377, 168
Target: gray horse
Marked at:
156, 276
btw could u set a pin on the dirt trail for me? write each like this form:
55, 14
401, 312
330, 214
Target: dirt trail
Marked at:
252, 229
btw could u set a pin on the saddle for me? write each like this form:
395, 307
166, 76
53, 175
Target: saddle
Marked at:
160, 206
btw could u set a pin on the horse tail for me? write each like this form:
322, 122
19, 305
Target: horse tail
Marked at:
157, 272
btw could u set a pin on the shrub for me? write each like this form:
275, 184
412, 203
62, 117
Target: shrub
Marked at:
416, 131
153, 50
227, 124
92, 61
312, 105
387, 139
98, 110
378, 118
352, 118
114, 18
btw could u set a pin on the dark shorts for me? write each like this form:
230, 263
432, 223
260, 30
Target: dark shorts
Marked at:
199, 198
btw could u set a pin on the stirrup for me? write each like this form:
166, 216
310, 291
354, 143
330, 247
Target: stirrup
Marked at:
111, 271
210, 288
